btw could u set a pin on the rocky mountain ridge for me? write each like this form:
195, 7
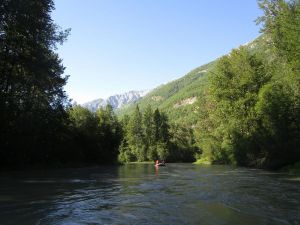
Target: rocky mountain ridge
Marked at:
116, 101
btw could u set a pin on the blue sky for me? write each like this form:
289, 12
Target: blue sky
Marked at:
121, 45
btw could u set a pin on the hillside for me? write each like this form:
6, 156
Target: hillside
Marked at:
177, 98
180, 98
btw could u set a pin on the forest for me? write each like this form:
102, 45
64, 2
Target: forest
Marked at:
149, 136
248, 114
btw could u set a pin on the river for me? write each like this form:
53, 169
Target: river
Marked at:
141, 194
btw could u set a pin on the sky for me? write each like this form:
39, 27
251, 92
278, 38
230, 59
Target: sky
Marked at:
120, 45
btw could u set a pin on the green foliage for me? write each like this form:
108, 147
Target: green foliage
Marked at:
279, 115
149, 133
125, 154
247, 107
281, 22
165, 97
243, 108
32, 99
250, 110
96, 136
83, 120
148, 137
37, 124
183, 147
162, 150
135, 135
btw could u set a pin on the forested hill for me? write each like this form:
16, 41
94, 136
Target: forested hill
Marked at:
243, 108
177, 98
181, 98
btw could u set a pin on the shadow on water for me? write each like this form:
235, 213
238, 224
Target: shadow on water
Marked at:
144, 194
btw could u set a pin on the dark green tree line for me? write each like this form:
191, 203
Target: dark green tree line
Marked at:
38, 126
32, 98
148, 136
95, 136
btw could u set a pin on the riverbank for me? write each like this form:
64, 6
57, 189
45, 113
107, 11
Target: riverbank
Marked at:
144, 162
203, 161
293, 169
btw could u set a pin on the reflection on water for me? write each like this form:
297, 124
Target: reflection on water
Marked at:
143, 194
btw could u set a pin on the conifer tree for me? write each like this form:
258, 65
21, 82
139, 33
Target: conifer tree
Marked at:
149, 133
135, 135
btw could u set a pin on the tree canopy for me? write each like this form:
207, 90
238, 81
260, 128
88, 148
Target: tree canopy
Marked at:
32, 99
251, 113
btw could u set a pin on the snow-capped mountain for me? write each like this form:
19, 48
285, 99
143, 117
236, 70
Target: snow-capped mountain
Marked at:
116, 101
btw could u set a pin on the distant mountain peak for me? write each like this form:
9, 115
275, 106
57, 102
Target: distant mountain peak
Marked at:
116, 101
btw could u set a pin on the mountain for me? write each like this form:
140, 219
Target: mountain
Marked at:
181, 98
178, 98
116, 101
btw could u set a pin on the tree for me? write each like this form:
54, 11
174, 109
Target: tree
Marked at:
136, 135
251, 113
149, 134
110, 131
234, 89
32, 99
125, 153
97, 136
233, 93
182, 145
281, 22
279, 112
84, 129
279, 101
83, 120
161, 126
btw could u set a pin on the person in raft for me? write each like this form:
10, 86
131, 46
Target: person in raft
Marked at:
157, 162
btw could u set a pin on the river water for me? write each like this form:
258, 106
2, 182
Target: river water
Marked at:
142, 194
